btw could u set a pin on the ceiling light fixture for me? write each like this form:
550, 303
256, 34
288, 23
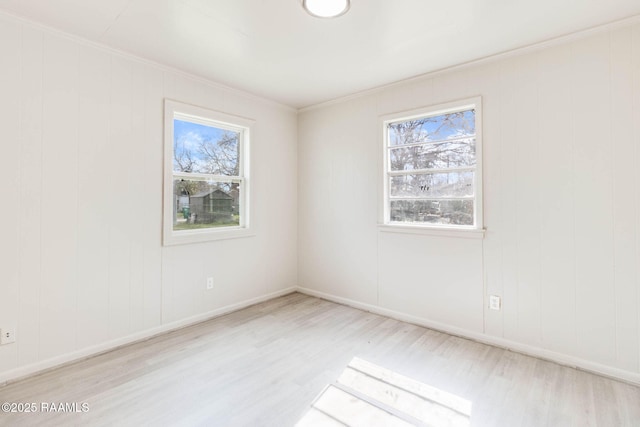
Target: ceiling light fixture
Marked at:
326, 8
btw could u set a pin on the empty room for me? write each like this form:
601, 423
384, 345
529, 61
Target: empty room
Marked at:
320, 213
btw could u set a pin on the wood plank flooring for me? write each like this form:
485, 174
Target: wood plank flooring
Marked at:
265, 365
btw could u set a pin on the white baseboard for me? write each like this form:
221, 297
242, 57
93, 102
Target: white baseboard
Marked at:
56, 362
541, 353
563, 359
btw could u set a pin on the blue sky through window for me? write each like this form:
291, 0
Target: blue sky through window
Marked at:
204, 149
435, 128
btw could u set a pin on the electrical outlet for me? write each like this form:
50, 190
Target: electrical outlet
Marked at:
209, 283
7, 336
494, 302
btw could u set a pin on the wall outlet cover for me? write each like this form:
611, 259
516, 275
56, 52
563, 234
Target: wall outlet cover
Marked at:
494, 302
7, 336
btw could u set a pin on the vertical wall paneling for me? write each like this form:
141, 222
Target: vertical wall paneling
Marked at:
405, 97
508, 191
425, 277
595, 297
136, 153
10, 39
273, 214
352, 194
150, 205
635, 54
557, 275
327, 174
183, 279
307, 171
449, 87
236, 264
80, 255
527, 203
120, 194
59, 197
30, 211
625, 179
167, 265
94, 175
562, 203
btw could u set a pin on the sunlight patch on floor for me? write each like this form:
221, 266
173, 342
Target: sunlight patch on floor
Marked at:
369, 395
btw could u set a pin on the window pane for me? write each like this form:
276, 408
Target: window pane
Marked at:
454, 184
202, 204
445, 126
439, 155
454, 212
205, 149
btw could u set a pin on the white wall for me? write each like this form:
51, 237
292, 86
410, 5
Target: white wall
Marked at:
81, 262
561, 196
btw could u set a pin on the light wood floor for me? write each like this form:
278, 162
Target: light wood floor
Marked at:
264, 365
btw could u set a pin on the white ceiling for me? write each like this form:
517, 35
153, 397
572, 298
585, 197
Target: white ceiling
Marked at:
274, 49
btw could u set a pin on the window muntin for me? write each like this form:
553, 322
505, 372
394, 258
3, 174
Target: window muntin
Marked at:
428, 185
432, 173
436, 155
206, 174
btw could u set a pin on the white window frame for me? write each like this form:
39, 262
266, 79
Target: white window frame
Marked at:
178, 110
385, 223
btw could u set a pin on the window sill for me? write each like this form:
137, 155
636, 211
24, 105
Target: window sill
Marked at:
200, 236
433, 231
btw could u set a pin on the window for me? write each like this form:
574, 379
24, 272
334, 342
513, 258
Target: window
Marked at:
433, 175
206, 185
